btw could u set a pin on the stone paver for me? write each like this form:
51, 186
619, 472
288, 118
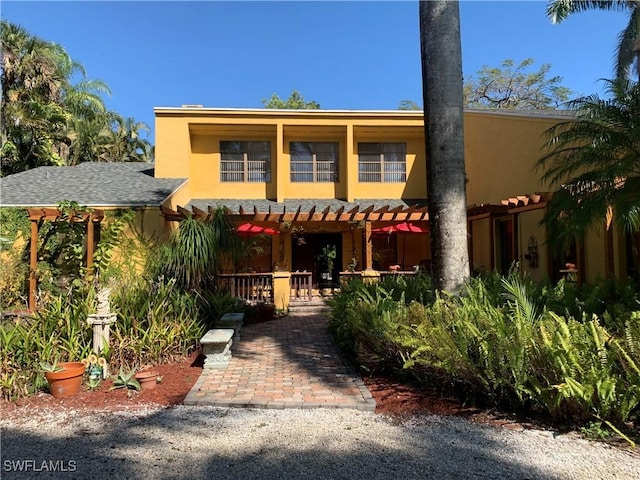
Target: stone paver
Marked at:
290, 362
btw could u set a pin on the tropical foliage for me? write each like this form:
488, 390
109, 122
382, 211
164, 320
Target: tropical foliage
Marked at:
157, 321
47, 118
628, 47
195, 252
295, 102
594, 161
499, 344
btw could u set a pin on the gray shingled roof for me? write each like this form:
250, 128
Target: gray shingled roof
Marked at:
305, 203
90, 184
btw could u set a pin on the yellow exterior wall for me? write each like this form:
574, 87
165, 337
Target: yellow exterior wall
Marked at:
594, 247
501, 153
148, 223
529, 226
481, 246
188, 145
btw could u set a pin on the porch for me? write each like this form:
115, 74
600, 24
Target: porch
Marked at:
290, 289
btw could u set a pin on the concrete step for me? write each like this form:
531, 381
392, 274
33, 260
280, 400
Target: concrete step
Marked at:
315, 306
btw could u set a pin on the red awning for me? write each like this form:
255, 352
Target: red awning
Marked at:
404, 227
249, 230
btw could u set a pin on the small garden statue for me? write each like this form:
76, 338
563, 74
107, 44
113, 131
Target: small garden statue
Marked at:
102, 301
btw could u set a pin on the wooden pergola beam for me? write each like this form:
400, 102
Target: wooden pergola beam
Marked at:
297, 214
370, 213
36, 215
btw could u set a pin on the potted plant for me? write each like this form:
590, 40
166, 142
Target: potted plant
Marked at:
326, 259
148, 379
65, 378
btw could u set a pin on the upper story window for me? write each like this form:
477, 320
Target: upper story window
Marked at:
314, 162
245, 161
382, 162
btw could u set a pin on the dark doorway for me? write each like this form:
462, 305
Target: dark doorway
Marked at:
565, 263
309, 253
632, 247
504, 239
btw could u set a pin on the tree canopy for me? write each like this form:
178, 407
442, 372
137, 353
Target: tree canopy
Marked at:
516, 87
295, 102
408, 105
48, 119
510, 86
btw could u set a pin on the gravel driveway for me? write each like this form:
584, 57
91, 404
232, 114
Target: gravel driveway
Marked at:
221, 443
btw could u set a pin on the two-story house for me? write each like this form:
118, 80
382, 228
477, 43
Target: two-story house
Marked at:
338, 190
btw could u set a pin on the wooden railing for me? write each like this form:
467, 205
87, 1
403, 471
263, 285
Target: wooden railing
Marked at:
251, 287
301, 286
384, 274
346, 277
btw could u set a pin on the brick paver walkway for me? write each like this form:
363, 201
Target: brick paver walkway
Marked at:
289, 362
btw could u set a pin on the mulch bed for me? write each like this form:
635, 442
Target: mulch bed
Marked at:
393, 397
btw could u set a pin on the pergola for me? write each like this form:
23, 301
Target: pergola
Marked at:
38, 215
356, 214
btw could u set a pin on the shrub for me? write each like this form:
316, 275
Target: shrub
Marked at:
157, 322
56, 333
498, 345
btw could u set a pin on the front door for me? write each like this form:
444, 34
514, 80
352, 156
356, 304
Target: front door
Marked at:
319, 253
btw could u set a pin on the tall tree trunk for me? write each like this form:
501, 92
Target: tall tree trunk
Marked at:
443, 117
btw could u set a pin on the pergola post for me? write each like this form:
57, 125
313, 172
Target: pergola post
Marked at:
53, 214
89, 243
368, 247
33, 264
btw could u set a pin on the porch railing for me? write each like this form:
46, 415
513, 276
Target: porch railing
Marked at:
250, 287
346, 277
301, 286
385, 274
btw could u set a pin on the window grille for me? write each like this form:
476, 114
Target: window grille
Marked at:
314, 162
382, 162
245, 161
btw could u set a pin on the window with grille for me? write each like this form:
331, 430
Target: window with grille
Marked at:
314, 162
245, 161
382, 162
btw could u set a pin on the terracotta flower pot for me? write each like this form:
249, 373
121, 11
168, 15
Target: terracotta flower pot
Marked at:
147, 379
66, 382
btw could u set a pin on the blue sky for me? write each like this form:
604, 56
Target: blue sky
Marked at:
344, 55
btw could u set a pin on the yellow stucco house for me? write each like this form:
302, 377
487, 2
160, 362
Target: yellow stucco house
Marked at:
346, 179
340, 193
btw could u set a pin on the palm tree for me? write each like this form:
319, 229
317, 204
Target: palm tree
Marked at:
443, 100
194, 254
595, 160
125, 141
45, 119
31, 120
628, 51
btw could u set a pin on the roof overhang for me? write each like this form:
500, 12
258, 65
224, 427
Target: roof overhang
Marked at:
315, 213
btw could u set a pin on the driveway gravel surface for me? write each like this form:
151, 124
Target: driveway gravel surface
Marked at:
226, 443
